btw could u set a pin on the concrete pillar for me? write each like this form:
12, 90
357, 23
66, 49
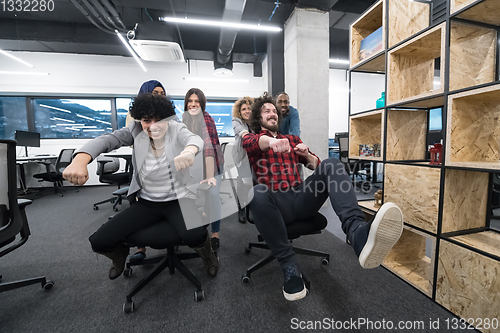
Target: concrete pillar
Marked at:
276, 67
307, 74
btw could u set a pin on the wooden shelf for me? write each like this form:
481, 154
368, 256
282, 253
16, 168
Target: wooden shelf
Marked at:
465, 200
366, 129
472, 55
406, 133
415, 189
411, 67
369, 22
487, 241
406, 19
472, 131
375, 64
484, 11
408, 259
467, 282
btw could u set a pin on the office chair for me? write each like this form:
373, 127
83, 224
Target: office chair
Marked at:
294, 230
227, 167
107, 168
63, 160
171, 260
495, 200
13, 216
354, 168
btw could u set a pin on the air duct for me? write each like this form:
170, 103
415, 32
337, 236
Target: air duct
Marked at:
233, 10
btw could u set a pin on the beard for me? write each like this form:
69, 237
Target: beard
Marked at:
272, 128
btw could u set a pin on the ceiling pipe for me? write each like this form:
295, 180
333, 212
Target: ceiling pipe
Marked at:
98, 5
96, 14
233, 10
84, 12
113, 12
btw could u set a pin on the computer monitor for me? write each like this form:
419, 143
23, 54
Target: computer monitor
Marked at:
27, 139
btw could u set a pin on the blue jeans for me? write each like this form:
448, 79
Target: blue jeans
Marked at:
273, 210
213, 204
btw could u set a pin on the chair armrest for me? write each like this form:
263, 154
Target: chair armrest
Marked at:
22, 203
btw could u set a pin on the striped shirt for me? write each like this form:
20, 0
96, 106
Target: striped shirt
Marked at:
158, 180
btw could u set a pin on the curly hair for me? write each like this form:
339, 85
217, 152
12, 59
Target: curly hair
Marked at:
239, 103
195, 123
147, 106
257, 105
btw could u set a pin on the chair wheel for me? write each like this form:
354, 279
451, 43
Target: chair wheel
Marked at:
96, 208
127, 272
128, 307
199, 295
245, 279
325, 261
115, 209
247, 250
48, 285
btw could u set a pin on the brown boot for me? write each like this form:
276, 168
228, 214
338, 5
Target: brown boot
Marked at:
209, 257
118, 257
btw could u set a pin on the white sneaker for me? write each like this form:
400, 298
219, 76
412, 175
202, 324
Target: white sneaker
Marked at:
385, 230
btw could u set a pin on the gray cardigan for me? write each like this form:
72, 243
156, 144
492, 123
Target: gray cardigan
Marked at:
238, 152
177, 138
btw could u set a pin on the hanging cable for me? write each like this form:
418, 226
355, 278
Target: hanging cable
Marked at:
276, 7
178, 30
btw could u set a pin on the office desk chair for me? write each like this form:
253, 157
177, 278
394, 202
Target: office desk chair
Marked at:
294, 230
107, 168
13, 221
63, 160
171, 260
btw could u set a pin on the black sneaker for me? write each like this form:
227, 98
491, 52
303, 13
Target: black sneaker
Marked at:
214, 241
293, 287
372, 241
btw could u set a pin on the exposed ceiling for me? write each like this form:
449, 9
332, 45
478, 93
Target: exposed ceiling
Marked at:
67, 30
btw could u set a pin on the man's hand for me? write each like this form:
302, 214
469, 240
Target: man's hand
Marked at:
184, 160
301, 150
77, 173
279, 145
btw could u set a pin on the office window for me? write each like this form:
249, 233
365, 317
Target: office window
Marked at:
221, 112
12, 116
72, 118
122, 106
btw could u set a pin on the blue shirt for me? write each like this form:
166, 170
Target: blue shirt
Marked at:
290, 123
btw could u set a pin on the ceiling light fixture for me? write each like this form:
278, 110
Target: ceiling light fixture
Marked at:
339, 61
23, 73
16, 58
130, 50
241, 26
215, 80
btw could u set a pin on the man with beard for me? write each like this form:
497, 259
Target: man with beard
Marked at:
281, 197
291, 121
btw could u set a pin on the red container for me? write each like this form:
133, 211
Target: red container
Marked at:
436, 152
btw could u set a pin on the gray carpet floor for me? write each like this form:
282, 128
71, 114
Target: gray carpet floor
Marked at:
85, 300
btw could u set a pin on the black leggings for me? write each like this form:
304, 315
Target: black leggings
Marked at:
144, 214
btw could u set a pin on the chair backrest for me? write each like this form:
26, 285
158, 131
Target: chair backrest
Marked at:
107, 165
64, 159
344, 149
12, 222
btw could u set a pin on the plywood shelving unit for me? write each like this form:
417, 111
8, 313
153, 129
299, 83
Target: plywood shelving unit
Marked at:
365, 25
366, 129
410, 72
408, 259
447, 250
406, 134
473, 131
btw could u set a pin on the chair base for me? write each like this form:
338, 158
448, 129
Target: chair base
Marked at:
7, 286
171, 260
264, 261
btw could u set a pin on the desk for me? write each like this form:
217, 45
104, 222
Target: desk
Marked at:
21, 161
